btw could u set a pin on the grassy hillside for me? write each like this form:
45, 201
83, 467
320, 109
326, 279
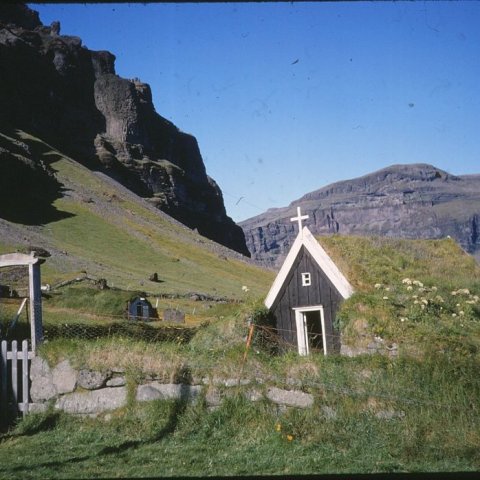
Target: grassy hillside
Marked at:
101, 228
420, 294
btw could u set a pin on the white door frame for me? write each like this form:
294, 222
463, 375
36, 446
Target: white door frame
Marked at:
302, 334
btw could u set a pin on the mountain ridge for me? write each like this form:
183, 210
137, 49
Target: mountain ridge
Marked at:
58, 90
403, 200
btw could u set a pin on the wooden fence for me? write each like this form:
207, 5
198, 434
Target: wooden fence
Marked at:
14, 378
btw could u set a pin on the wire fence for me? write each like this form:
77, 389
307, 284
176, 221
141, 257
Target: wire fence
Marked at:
135, 331
172, 324
80, 331
93, 327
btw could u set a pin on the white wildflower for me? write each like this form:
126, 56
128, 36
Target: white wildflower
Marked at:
378, 285
421, 289
403, 319
385, 298
470, 302
434, 289
416, 302
439, 299
457, 305
387, 289
454, 315
245, 288
409, 288
476, 298
422, 306
407, 281
464, 291
461, 313
417, 283
414, 296
453, 293
425, 301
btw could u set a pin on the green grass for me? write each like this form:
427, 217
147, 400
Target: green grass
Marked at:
113, 236
165, 438
130, 260
367, 261
420, 294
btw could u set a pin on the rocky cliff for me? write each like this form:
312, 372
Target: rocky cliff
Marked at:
57, 89
407, 201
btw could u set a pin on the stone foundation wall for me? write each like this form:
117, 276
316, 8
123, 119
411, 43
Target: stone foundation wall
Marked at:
88, 392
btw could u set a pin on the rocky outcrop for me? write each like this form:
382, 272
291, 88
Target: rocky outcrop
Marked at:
404, 201
69, 96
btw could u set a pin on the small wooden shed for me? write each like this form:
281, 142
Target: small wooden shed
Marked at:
306, 294
139, 308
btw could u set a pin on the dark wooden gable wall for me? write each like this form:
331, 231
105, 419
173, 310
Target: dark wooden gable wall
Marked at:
293, 294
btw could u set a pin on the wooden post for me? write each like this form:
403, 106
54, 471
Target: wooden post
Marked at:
4, 379
25, 393
247, 347
14, 360
249, 341
35, 305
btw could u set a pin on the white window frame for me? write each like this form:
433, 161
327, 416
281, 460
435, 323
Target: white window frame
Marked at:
302, 334
306, 279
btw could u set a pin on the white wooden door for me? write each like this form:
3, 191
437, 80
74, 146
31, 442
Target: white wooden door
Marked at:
302, 334
302, 330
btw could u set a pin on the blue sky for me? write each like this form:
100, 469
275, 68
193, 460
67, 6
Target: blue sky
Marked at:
285, 98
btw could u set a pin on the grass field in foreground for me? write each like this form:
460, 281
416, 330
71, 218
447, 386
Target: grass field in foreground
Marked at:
377, 425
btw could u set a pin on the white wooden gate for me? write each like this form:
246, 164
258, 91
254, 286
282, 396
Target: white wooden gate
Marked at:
14, 378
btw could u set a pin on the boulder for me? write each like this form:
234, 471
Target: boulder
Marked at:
169, 391
116, 382
64, 377
290, 398
92, 380
93, 402
42, 387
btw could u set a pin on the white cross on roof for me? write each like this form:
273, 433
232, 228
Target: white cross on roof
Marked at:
299, 219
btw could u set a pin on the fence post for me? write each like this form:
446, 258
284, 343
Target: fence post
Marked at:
14, 360
4, 379
35, 304
25, 392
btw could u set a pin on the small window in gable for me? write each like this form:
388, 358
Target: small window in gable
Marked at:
306, 279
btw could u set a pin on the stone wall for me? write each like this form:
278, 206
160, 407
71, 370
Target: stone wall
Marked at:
88, 392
